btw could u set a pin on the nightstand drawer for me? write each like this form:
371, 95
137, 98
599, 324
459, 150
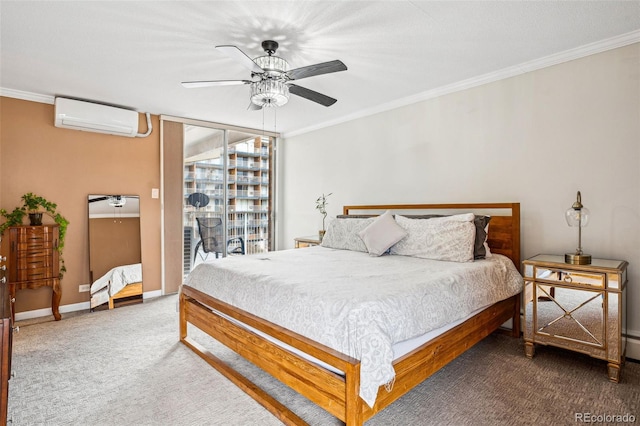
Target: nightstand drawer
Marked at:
568, 277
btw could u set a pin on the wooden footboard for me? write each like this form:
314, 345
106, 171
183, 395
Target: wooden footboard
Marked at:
130, 290
335, 393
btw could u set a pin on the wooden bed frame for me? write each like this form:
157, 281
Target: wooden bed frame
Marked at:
130, 290
335, 393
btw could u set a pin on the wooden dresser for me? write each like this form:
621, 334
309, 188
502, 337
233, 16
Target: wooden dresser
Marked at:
34, 261
6, 325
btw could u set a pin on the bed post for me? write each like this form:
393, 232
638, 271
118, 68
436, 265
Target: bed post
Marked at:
515, 322
353, 403
183, 317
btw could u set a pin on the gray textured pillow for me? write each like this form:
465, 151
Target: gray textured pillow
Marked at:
343, 234
381, 234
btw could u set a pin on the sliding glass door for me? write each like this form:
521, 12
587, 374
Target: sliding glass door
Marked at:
228, 194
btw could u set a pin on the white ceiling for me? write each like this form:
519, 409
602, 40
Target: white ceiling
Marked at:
136, 53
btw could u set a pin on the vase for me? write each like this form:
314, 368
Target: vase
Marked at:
35, 219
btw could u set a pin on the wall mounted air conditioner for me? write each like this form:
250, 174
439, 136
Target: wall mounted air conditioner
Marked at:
92, 117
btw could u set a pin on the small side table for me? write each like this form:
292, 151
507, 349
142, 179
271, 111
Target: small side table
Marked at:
311, 241
577, 307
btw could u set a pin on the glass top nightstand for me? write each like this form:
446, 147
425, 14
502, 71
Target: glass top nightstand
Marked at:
309, 241
577, 307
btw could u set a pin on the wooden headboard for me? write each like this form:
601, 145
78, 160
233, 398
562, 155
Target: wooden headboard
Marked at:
504, 228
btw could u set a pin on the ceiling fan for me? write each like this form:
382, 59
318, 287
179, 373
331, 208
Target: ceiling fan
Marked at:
271, 77
114, 200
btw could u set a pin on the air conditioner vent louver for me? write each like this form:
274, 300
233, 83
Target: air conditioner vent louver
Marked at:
92, 117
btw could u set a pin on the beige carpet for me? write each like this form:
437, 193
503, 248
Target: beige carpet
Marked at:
126, 367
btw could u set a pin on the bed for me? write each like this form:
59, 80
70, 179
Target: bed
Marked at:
337, 371
121, 282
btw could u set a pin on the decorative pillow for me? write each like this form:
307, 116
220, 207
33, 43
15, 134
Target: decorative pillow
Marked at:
343, 234
449, 238
381, 234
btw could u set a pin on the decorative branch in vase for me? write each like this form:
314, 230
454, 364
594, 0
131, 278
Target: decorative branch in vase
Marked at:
321, 206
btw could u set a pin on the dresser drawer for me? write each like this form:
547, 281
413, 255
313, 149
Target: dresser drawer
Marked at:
36, 259
36, 273
569, 277
37, 233
30, 247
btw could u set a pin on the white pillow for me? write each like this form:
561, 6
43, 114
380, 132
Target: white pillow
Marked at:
343, 234
449, 238
381, 234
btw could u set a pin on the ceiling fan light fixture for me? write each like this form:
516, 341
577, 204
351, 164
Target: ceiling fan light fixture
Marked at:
269, 93
117, 201
272, 65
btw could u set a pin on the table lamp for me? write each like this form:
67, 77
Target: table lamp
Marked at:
578, 215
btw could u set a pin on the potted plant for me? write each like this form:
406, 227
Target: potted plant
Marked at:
321, 206
34, 206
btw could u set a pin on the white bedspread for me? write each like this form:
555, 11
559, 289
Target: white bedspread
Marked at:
114, 281
355, 303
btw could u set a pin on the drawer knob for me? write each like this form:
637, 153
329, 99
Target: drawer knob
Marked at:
568, 279
3, 268
16, 329
3, 258
3, 280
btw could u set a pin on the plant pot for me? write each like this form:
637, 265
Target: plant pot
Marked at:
35, 219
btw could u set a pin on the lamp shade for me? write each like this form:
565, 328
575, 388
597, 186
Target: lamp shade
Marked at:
269, 93
577, 217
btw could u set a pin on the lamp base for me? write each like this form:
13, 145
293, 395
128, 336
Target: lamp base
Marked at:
577, 259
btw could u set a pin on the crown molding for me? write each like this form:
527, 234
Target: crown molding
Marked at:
27, 96
536, 64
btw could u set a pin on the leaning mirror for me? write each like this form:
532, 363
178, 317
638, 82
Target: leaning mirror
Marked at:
115, 267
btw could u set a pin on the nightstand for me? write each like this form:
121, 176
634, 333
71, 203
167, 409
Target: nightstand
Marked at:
577, 307
301, 242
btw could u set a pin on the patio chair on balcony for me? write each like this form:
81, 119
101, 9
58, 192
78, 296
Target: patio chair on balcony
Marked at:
211, 239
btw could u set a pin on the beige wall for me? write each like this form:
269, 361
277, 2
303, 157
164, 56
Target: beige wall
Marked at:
536, 139
64, 166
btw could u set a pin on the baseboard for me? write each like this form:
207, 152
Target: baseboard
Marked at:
633, 348
38, 313
151, 294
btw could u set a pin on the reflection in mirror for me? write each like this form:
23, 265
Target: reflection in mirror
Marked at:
571, 314
115, 258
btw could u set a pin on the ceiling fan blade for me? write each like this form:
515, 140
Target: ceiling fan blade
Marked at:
239, 56
312, 95
254, 107
93, 200
193, 84
317, 69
